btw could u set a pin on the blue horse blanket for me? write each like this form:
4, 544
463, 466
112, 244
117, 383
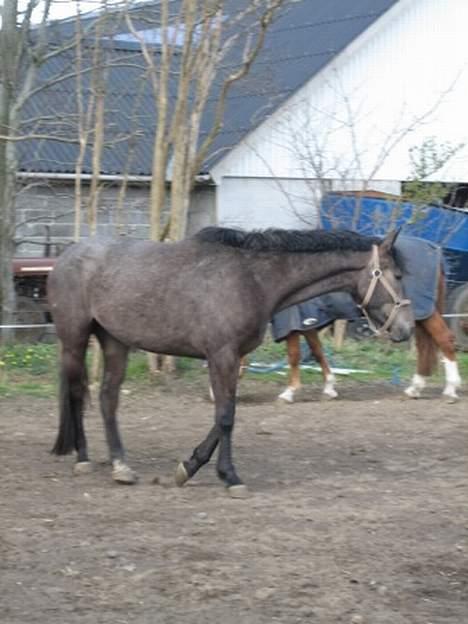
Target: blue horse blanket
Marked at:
420, 261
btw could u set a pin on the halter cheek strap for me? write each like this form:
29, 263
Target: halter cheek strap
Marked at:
378, 276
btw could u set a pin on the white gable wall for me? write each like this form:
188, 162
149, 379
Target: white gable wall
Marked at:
404, 80
256, 203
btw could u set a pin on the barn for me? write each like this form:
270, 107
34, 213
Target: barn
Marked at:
340, 98
368, 85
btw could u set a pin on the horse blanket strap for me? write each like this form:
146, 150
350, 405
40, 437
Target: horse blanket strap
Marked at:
378, 276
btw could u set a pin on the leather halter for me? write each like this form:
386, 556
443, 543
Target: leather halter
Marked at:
378, 276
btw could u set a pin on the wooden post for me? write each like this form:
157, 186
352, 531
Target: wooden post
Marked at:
339, 333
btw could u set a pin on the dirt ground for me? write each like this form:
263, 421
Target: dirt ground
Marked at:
357, 513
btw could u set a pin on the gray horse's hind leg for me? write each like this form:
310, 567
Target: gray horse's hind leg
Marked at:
115, 356
224, 369
75, 369
72, 397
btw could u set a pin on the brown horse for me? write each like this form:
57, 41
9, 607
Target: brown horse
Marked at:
432, 335
209, 297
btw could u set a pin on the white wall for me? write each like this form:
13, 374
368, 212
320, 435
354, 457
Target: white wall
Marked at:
257, 203
404, 80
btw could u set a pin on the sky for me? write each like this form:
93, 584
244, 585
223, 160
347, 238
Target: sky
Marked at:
61, 9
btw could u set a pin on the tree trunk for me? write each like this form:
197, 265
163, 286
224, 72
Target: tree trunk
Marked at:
8, 49
7, 227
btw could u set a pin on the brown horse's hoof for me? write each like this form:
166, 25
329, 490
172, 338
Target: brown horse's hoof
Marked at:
238, 491
329, 396
181, 475
84, 467
412, 393
123, 473
287, 396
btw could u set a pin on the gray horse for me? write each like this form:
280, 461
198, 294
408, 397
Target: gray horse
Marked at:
210, 296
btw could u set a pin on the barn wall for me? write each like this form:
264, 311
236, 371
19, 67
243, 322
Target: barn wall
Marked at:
262, 202
403, 81
50, 207
252, 203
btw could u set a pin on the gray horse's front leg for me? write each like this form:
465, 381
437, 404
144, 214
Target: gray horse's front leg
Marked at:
223, 376
200, 456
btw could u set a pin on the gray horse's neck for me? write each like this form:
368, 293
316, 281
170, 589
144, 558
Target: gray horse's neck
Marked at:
294, 277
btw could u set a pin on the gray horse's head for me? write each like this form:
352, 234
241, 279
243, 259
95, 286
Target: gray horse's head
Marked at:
380, 293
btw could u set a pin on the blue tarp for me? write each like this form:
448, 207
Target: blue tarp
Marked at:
447, 227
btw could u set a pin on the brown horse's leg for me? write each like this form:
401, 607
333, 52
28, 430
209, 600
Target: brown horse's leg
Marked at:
224, 372
433, 333
313, 340
293, 346
115, 362
430, 334
445, 340
426, 360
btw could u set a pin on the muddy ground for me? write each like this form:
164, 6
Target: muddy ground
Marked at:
357, 514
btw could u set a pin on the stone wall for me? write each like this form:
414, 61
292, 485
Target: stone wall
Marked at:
45, 210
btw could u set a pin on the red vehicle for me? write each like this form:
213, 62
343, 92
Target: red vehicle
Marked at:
30, 277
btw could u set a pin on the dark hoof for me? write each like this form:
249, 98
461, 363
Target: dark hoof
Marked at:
181, 475
238, 491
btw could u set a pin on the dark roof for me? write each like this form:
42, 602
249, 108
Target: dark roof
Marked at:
307, 36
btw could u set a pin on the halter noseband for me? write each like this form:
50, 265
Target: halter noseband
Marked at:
378, 276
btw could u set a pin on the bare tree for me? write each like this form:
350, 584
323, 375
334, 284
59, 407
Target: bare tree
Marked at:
15, 52
197, 53
37, 57
202, 51
333, 149
10, 49
24, 49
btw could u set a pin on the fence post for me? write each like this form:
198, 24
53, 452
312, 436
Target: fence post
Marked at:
339, 333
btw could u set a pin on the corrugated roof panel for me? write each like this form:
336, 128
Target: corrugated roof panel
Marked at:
299, 44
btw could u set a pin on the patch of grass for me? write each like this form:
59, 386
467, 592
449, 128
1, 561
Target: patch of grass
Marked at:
137, 368
35, 359
463, 364
15, 387
385, 361
32, 369
28, 370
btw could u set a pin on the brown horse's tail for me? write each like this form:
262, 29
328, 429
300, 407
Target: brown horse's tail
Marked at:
427, 348
72, 396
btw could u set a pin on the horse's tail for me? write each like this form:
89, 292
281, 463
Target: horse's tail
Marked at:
72, 396
427, 348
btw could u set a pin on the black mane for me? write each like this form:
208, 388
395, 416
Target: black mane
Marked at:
297, 241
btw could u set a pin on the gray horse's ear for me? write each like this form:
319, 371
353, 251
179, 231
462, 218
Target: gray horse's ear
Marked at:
389, 240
